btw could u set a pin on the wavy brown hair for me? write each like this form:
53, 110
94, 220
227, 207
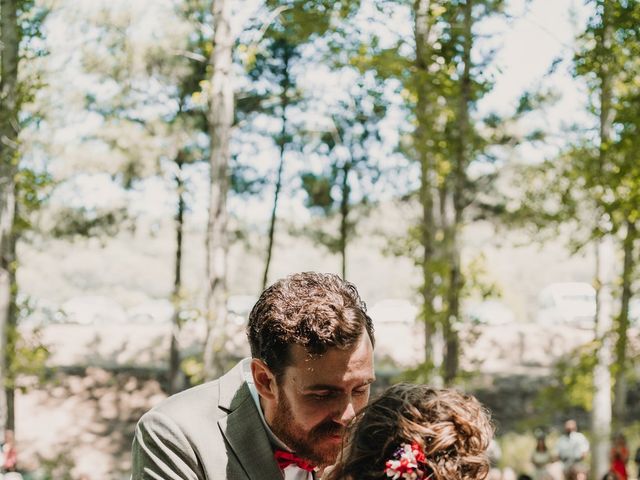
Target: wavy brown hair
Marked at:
314, 310
453, 429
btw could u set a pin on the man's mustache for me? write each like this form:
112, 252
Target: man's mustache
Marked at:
328, 429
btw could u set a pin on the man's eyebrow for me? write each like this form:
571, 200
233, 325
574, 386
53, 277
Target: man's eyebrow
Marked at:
335, 388
322, 386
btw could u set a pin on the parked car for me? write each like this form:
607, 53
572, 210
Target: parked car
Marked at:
93, 310
489, 312
159, 311
569, 303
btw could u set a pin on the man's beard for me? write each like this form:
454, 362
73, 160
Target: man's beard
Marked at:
311, 446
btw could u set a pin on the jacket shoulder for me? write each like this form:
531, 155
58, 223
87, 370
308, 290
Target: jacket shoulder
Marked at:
198, 401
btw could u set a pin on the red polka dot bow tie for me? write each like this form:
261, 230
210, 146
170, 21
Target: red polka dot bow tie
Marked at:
285, 459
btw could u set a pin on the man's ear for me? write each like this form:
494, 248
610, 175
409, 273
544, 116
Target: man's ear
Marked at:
264, 379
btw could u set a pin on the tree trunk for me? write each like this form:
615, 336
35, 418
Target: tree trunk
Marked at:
8, 344
175, 377
9, 128
459, 171
11, 408
620, 394
282, 141
12, 325
220, 115
424, 130
601, 414
344, 216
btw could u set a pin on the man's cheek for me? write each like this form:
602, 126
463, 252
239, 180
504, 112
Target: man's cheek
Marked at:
359, 405
313, 416
306, 412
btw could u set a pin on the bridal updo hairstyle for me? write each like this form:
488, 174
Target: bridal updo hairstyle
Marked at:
451, 428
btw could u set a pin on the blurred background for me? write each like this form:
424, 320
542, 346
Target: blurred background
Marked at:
471, 166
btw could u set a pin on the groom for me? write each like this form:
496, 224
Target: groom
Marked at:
281, 413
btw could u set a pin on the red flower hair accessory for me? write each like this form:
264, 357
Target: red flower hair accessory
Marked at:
407, 463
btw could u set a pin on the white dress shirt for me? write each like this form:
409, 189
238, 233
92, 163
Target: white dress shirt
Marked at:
572, 448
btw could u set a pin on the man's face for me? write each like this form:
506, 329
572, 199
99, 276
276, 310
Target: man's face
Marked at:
319, 395
570, 426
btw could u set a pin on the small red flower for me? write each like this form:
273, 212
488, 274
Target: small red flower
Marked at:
417, 452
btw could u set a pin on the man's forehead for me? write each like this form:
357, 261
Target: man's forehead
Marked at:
331, 367
320, 379
301, 356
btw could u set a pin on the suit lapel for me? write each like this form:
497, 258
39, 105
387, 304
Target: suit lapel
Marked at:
244, 430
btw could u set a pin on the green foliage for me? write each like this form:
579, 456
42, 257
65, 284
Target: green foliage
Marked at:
24, 354
28, 357
300, 20
477, 280
245, 179
88, 223
516, 451
609, 171
31, 17
193, 368
33, 189
572, 384
318, 190
531, 101
421, 373
341, 189
27, 354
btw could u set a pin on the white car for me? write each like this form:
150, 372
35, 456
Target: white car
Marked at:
93, 310
568, 303
159, 311
489, 312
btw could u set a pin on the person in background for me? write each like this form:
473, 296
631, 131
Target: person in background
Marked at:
636, 459
571, 449
541, 458
9, 452
619, 456
415, 432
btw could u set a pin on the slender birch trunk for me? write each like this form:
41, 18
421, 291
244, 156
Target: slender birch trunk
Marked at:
9, 129
282, 142
344, 216
424, 130
175, 382
621, 347
459, 180
605, 277
221, 114
601, 414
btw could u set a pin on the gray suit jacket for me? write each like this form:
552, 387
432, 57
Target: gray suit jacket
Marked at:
209, 432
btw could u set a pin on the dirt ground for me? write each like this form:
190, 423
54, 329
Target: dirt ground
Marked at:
79, 425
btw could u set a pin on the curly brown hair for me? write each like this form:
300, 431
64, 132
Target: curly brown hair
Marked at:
453, 429
313, 310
